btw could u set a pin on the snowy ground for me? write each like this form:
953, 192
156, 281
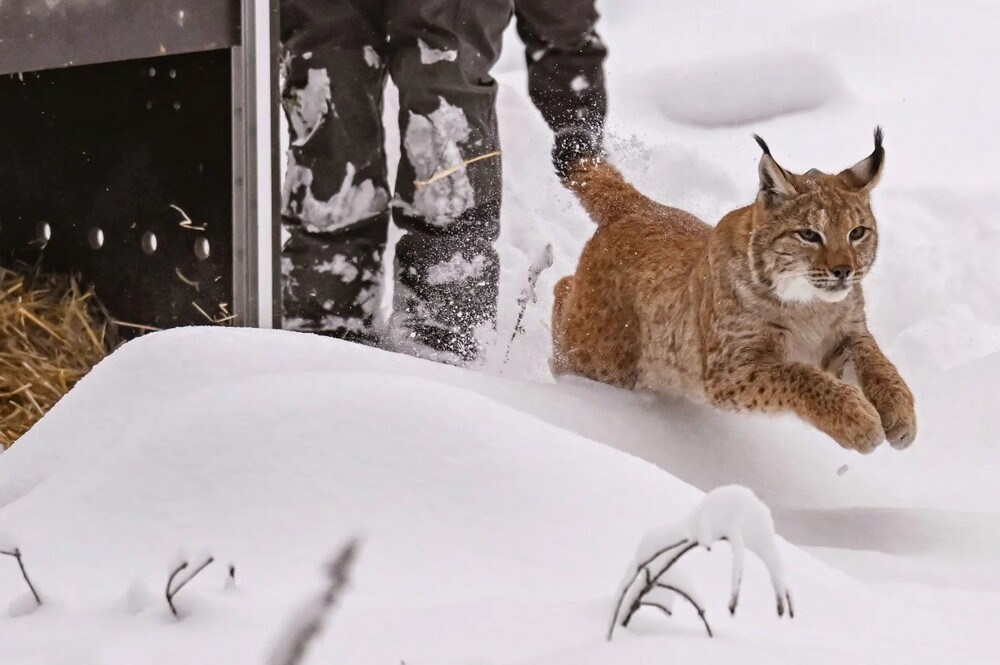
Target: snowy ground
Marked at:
499, 510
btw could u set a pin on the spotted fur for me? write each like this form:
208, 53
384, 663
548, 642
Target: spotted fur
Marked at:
762, 312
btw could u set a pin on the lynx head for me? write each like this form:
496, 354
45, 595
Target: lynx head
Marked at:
814, 235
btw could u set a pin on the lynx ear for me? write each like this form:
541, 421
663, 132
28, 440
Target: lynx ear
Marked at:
865, 174
775, 182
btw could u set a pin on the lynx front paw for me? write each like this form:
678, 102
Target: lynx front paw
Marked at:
857, 425
898, 419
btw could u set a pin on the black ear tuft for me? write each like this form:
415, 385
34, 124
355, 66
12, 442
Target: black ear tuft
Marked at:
864, 175
763, 145
878, 156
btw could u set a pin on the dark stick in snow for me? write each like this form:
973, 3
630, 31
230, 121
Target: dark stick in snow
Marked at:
662, 608
172, 591
649, 581
686, 596
652, 582
16, 554
293, 645
781, 606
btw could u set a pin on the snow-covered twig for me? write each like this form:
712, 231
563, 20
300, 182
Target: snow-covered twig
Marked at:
173, 589
733, 514
16, 554
308, 623
542, 262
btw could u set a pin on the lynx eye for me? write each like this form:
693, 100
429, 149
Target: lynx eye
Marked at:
811, 236
857, 233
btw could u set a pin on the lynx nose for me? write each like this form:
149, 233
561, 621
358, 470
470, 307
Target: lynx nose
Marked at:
842, 272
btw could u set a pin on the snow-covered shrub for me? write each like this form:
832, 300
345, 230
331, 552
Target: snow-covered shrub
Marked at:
542, 261
730, 513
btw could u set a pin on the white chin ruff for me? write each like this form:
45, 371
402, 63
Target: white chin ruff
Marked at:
798, 289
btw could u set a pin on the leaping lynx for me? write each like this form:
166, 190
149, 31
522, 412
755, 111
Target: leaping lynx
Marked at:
762, 312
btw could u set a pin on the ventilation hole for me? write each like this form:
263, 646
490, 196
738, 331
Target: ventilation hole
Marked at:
173, 73
152, 71
149, 242
43, 234
177, 106
202, 250
95, 238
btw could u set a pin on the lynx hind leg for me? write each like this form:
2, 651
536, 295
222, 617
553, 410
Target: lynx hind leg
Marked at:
593, 336
557, 363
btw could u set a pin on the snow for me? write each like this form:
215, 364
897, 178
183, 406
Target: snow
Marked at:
340, 267
482, 516
579, 83
428, 55
764, 85
497, 509
456, 269
22, 605
432, 145
350, 204
543, 261
372, 58
137, 598
309, 106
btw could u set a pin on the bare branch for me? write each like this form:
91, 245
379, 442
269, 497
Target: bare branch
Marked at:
652, 582
781, 605
686, 596
16, 554
662, 608
295, 642
170, 583
173, 590
639, 569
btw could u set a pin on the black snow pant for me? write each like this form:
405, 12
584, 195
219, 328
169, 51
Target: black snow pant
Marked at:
336, 199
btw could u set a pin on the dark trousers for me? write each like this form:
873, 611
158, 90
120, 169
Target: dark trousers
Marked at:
337, 201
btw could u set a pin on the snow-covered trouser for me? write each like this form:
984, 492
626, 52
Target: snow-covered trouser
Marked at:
336, 198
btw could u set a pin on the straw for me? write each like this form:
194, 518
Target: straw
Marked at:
51, 334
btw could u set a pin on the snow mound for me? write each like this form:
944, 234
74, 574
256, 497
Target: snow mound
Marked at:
486, 533
280, 454
744, 89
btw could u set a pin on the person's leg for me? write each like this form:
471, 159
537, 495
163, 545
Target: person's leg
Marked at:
335, 199
440, 55
565, 59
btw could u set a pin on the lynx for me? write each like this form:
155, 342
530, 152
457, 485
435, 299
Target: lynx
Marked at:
763, 312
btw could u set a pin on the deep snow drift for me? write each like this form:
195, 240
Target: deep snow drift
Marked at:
495, 512
488, 534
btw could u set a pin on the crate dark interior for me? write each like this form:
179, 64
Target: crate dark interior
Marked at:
93, 158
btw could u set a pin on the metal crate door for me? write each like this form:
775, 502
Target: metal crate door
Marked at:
137, 171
